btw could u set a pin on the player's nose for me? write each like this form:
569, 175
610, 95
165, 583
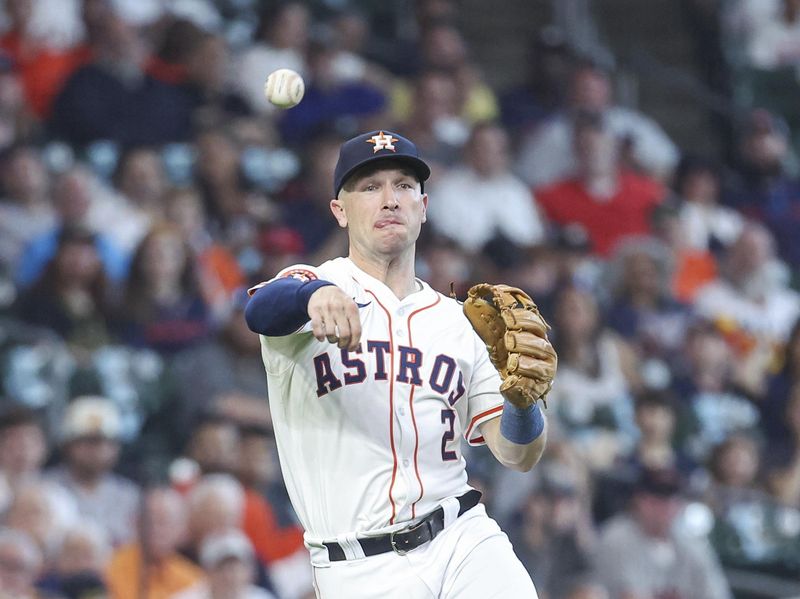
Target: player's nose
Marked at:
390, 199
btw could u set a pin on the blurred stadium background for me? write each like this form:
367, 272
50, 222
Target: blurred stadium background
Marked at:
633, 165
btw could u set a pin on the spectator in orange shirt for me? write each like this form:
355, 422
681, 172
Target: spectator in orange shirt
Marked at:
152, 567
258, 469
610, 202
42, 69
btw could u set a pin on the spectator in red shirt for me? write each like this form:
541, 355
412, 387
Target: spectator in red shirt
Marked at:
610, 202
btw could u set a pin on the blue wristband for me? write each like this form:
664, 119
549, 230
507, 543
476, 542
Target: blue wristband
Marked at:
521, 426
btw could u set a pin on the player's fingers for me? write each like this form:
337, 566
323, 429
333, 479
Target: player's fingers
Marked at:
343, 331
355, 327
331, 333
317, 326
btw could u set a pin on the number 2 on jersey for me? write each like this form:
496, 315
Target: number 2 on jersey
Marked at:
449, 418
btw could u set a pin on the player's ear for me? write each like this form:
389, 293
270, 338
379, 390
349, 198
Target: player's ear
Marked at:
337, 208
424, 207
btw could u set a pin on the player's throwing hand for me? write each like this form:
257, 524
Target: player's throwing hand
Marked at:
334, 316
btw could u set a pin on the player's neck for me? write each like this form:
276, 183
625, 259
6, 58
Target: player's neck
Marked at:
396, 272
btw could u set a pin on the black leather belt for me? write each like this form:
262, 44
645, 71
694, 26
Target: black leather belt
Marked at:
404, 540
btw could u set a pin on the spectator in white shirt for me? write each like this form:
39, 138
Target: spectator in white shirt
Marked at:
547, 153
705, 223
474, 203
283, 37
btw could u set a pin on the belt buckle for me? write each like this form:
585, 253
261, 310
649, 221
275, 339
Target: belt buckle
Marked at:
395, 548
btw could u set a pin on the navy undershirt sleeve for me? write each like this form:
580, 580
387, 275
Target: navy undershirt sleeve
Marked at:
280, 307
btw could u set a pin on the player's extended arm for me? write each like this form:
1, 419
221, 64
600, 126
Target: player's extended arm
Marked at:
528, 430
284, 305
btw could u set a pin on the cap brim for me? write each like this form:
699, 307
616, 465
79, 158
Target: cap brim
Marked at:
422, 170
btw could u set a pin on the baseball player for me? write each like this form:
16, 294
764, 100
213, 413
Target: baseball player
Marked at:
373, 379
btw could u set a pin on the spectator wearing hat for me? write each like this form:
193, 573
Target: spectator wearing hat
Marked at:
152, 567
641, 553
228, 560
90, 449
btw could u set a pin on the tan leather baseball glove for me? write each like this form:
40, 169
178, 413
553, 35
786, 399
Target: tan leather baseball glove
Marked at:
515, 334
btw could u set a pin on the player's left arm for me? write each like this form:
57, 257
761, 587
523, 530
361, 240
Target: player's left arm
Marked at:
527, 428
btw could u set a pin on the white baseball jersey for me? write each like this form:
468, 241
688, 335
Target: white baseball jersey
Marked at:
371, 439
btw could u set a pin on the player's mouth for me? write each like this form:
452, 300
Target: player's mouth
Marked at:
387, 222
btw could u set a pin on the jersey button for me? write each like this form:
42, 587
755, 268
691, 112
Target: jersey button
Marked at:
406, 463
399, 333
401, 410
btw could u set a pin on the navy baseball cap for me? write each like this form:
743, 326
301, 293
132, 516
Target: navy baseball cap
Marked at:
374, 146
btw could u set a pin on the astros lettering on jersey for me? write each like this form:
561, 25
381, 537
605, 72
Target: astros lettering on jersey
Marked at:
370, 439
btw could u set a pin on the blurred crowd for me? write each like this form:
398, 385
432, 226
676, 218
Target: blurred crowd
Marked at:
145, 183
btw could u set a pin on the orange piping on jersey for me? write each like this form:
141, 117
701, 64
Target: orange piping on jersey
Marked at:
391, 404
411, 407
478, 417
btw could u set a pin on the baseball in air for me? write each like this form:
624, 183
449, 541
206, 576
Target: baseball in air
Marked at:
284, 88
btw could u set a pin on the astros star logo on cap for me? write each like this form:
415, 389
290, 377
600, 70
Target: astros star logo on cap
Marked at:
382, 142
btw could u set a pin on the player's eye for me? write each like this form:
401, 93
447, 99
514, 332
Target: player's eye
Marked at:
370, 187
406, 186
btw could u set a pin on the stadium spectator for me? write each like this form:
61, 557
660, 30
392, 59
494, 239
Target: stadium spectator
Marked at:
641, 553
783, 455
72, 295
609, 201
162, 306
266, 508
215, 504
306, 204
548, 155
90, 446
706, 224
734, 465
127, 216
225, 364
44, 511
780, 385
434, 122
152, 567
228, 561
555, 537
643, 310
220, 273
26, 208
112, 97
482, 200
597, 373
23, 449
705, 379
657, 418
233, 210
43, 63
444, 49
765, 190
752, 303
280, 42
543, 91
214, 445
20, 563
81, 562
74, 193
346, 105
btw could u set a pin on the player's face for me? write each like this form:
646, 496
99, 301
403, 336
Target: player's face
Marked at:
383, 211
